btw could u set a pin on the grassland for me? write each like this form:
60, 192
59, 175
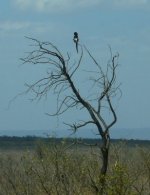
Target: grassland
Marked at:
33, 166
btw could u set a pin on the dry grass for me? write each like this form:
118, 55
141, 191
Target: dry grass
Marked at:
54, 170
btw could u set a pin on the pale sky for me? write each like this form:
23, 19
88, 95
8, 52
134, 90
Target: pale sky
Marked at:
122, 24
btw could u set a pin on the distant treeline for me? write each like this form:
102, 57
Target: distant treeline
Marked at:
30, 142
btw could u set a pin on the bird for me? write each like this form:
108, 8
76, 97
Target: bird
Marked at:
76, 40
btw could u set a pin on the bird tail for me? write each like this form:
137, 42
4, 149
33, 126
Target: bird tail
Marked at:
77, 46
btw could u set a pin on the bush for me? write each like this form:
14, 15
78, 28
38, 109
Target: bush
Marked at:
57, 170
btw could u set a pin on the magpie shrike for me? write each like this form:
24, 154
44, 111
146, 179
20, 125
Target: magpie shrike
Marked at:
76, 40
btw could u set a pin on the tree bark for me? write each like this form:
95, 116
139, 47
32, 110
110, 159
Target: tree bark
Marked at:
104, 167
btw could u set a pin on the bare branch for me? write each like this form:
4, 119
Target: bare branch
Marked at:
74, 127
77, 64
113, 112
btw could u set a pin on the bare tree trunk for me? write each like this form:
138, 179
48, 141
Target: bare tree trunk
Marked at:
105, 151
104, 167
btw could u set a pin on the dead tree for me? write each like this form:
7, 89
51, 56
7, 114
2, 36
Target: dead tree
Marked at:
60, 78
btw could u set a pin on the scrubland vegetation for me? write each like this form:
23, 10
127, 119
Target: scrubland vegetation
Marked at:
56, 168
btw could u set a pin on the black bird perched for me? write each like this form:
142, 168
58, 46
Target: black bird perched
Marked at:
76, 40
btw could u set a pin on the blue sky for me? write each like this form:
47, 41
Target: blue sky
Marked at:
123, 24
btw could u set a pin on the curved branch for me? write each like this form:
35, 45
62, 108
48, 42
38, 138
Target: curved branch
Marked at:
113, 112
75, 126
77, 64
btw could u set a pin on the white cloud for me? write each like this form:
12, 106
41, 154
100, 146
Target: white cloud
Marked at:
68, 5
130, 3
55, 5
10, 25
26, 27
23, 3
